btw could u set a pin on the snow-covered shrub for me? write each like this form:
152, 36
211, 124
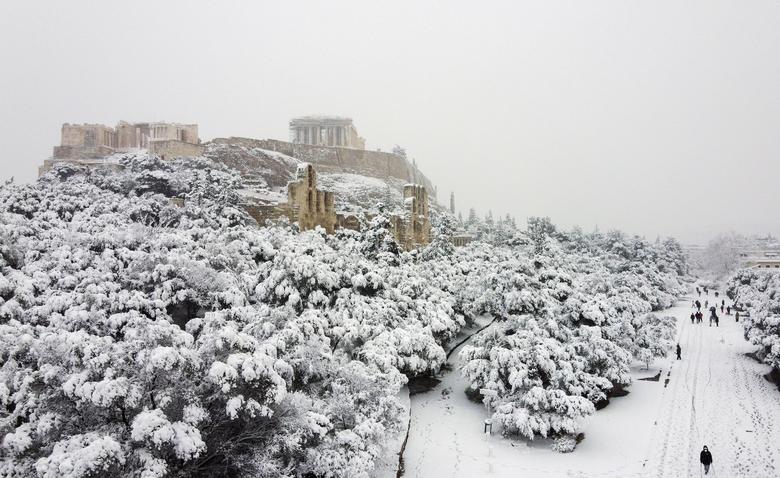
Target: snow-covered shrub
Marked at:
758, 292
139, 337
565, 443
575, 310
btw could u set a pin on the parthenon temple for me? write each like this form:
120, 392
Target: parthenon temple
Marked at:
325, 131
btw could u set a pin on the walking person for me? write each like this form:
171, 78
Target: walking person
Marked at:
698, 305
699, 317
728, 310
717, 320
705, 457
736, 315
722, 308
716, 294
706, 303
679, 352
693, 317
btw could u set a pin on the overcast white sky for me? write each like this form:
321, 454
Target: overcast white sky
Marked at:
656, 117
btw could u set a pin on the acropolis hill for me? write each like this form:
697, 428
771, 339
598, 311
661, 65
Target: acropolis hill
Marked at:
322, 177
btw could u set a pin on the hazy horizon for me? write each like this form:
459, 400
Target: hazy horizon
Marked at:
655, 118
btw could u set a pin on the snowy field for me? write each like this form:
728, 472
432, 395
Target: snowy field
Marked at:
716, 396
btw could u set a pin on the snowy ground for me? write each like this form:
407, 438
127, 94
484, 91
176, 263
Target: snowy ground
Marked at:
715, 396
387, 465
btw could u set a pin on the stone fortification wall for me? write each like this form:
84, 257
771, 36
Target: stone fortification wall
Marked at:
81, 152
377, 164
171, 148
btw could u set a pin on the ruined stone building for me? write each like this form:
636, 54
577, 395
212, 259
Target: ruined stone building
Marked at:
306, 204
93, 141
86, 141
140, 135
413, 229
312, 207
462, 239
325, 131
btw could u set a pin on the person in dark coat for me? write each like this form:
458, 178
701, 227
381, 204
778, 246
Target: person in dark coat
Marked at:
722, 307
736, 315
699, 317
705, 457
698, 305
728, 310
693, 317
679, 352
716, 294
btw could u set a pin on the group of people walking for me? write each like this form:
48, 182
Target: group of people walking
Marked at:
697, 316
705, 457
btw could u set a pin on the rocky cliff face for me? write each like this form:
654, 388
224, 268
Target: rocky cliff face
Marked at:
360, 179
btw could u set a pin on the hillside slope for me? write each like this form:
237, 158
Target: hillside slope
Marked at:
357, 185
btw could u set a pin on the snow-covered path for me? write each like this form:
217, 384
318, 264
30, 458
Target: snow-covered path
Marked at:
715, 396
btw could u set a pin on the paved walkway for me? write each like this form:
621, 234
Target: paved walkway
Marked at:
716, 397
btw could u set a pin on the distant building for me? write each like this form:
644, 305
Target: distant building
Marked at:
85, 141
763, 263
96, 141
92, 135
462, 239
761, 253
325, 131
140, 135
